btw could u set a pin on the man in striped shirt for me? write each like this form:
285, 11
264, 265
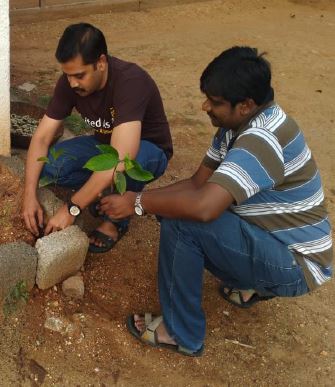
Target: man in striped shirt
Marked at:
253, 214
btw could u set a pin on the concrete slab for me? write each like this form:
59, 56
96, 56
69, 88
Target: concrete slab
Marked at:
49, 201
18, 262
14, 164
60, 255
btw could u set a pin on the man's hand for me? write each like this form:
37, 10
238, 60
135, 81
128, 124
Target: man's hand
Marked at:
118, 206
59, 221
32, 213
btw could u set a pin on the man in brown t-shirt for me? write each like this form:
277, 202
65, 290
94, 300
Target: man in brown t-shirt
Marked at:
122, 103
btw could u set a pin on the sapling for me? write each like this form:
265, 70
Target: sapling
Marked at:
109, 158
46, 180
52, 160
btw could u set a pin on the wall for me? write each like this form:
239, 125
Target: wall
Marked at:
4, 79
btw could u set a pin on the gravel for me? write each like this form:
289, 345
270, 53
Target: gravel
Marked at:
23, 125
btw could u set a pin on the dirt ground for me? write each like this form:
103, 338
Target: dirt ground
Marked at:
284, 342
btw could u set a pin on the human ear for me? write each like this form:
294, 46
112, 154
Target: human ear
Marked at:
102, 62
247, 106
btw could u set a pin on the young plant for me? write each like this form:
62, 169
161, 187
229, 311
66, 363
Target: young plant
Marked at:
45, 180
109, 158
17, 294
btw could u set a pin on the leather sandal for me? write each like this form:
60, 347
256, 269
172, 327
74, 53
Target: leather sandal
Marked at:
149, 335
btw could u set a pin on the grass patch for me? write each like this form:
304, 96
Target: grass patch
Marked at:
18, 294
43, 100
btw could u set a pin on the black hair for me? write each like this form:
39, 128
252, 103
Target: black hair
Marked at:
237, 74
81, 39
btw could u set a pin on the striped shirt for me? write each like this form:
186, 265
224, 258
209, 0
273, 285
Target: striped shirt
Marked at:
269, 170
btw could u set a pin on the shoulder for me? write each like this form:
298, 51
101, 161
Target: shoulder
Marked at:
123, 71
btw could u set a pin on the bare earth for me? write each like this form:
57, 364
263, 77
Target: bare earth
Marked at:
285, 342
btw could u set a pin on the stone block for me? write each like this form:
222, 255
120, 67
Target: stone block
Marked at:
18, 262
60, 255
73, 287
49, 201
14, 164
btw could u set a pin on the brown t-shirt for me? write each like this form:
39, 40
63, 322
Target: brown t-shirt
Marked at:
130, 94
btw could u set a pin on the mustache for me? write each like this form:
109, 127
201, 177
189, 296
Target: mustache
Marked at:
76, 89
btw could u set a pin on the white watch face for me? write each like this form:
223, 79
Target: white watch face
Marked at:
138, 210
74, 211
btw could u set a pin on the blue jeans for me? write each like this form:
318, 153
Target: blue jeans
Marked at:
238, 253
72, 174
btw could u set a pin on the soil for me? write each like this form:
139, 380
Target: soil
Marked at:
285, 342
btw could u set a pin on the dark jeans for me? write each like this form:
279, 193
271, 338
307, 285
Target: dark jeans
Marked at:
240, 254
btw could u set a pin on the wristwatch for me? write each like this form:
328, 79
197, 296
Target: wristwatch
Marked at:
74, 209
139, 210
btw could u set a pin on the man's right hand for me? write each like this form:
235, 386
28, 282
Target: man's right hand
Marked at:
32, 214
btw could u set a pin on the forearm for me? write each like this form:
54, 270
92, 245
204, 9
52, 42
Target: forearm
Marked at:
191, 204
93, 188
175, 187
34, 167
194, 182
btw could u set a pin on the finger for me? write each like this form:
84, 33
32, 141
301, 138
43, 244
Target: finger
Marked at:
40, 217
105, 208
48, 229
27, 222
33, 224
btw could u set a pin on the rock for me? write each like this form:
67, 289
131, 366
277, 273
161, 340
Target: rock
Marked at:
27, 87
18, 262
73, 287
60, 255
49, 201
14, 164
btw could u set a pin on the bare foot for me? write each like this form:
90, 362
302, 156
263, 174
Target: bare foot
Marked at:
246, 294
162, 335
107, 228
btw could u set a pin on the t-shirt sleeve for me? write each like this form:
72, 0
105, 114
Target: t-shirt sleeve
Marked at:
213, 157
62, 101
255, 163
132, 98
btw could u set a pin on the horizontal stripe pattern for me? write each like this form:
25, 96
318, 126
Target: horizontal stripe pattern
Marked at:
319, 274
276, 185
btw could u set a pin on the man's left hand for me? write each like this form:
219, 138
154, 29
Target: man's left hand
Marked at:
118, 206
59, 221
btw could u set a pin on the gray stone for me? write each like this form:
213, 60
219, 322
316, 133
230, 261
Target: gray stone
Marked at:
60, 255
18, 262
14, 164
73, 287
49, 201
27, 86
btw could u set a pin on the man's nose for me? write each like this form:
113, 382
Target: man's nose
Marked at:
73, 82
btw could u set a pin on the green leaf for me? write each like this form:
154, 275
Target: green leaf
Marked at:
53, 152
102, 162
44, 181
120, 182
56, 153
71, 157
128, 163
138, 173
44, 159
104, 148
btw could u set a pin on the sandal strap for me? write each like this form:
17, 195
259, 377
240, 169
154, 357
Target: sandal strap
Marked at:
150, 333
147, 318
